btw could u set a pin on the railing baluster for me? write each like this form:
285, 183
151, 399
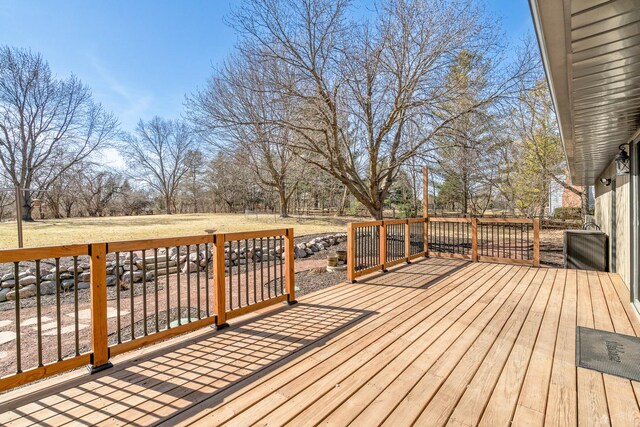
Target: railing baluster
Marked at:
351, 252
178, 290
238, 274
16, 287
39, 312
187, 264
75, 305
246, 270
284, 254
253, 262
261, 269
198, 279
131, 302
155, 286
167, 288
207, 293
268, 267
118, 316
58, 313
144, 293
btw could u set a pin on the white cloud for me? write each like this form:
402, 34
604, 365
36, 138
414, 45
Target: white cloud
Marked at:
111, 159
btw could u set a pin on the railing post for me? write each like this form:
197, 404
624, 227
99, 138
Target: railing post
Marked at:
99, 333
536, 242
426, 237
474, 239
351, 253
290, 272
218, 281
407, 240
383, 245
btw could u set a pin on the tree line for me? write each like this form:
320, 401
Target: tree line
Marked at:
316, 109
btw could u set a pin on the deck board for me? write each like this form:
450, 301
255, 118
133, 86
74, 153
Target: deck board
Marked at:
439, 341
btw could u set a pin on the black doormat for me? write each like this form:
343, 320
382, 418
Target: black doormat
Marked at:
608, 352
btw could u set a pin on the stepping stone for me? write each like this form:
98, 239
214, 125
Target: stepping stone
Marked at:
34, 321
4, 323
66, 330
7, 336
47, 326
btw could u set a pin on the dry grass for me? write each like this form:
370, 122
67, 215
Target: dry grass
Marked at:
84, 230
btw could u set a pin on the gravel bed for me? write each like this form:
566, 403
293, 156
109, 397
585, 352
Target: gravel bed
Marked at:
317, 279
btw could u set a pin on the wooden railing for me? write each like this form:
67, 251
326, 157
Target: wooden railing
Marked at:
141, 292
377, 245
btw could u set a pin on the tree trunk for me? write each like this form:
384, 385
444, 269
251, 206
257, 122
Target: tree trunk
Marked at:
343, 202
27, 214
376, 210
167, 202
284, 203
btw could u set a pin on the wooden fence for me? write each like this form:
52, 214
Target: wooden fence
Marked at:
377, 245
209, 280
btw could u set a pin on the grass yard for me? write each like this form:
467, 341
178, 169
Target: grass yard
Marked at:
85, 230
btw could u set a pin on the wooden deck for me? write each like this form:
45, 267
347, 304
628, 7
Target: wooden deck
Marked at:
435, 342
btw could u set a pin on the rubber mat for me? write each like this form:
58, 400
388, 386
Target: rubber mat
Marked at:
608, 352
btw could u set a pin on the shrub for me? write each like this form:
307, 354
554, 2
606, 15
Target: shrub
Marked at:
568, 213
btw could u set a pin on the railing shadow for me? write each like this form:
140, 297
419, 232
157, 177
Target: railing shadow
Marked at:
430, 272
168, 380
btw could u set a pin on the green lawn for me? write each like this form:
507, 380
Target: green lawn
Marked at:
85, 230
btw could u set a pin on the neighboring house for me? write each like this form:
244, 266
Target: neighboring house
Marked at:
555, 196
590, 51
561, 197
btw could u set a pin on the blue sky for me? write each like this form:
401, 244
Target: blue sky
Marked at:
141, 57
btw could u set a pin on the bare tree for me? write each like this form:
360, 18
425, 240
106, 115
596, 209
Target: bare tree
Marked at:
225, 183
357, 88
159, 155
540, 137
98, 191
193, 181
237, 113
47, 125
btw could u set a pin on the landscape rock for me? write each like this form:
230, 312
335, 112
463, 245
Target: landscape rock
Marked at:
189, 266
9, 284
47, 287
84, 285
67, 284
26, 292
111, 280
3, 294
137, 276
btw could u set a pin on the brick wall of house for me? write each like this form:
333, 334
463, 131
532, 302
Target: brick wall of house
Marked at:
571, 199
